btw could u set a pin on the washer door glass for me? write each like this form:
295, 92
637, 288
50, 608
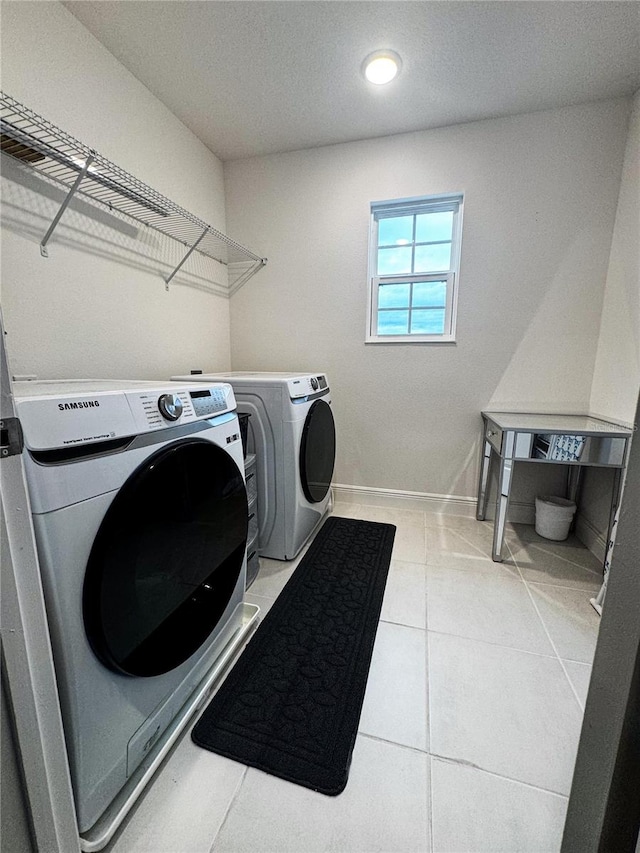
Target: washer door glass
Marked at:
166, 559
317, 451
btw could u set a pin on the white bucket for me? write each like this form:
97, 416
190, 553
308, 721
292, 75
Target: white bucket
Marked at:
554, 517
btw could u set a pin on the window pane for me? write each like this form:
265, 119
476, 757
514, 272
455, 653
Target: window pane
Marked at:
393, 322
429, 294
395, 229
425, 322
393, 261
433, 258
393, 296
434, 226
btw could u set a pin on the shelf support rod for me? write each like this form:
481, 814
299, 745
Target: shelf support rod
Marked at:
192, 249
64, 205
247, 275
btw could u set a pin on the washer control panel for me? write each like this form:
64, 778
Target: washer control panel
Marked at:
162, 408
210, 401
305, 386
63, 414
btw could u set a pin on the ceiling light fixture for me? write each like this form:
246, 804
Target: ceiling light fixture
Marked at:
381, 67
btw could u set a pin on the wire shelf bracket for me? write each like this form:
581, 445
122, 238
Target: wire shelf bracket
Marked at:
183, 261
61, 159
43, 245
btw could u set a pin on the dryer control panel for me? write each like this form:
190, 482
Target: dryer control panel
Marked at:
308, 386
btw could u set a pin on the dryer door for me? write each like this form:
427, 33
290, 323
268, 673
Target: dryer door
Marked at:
317, 451
166, 559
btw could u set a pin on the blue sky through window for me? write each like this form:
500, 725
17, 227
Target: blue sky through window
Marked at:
393, 322
427, 321
429, 294
431, 227
394, 295
395, 231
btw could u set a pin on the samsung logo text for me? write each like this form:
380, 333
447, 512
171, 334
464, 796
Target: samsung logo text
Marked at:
83, 404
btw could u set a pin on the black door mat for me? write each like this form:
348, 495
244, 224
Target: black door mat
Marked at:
291, 705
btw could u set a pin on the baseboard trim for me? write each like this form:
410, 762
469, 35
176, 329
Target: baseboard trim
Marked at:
461, 505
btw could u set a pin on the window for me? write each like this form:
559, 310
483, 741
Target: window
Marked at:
413, 269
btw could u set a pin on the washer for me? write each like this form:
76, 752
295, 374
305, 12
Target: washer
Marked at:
140, 514
293, 436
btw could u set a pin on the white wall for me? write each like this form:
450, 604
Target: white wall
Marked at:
94, 307
540, 200
616, 378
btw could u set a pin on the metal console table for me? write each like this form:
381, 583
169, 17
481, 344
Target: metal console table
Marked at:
574, 440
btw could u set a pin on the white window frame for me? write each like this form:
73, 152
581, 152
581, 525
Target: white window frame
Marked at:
406, 207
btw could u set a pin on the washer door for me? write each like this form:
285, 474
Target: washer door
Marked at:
166, 559
317, 451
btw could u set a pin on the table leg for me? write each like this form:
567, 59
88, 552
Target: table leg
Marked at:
615, 502
574, 482
502, 499
483, 492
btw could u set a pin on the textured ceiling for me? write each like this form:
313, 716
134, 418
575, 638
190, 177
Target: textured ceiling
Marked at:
266, 76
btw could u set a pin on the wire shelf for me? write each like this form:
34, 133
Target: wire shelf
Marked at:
58, 157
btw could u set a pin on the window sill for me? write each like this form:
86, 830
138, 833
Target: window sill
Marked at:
410, 339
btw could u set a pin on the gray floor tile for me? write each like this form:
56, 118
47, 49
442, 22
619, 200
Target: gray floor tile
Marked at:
405, 595
395, 703
272, 577
471, 562
570, 620
484, 607
506, 711
580, 676
383, 808
476, 812
393, 515
347, 510
184, 806
559, 563
458, 542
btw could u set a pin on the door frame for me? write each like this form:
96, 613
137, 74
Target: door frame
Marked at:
27, 660
604, 808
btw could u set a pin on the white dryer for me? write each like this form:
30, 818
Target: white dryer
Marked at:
140, 513
292, 433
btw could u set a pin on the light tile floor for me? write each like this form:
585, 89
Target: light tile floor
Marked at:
470, 723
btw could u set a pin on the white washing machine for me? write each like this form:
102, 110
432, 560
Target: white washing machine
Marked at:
293, 436
140, 513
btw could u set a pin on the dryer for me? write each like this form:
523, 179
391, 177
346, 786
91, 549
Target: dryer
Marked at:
292, 433
140, 513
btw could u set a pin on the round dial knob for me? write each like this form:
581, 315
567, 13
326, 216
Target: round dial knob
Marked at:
314, 383
170, 406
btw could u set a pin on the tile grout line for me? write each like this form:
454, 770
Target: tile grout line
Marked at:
549, 656
563, 586
553, 645
401, 624
507, 575
429, 804
460, 762
378, 739
233, 799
